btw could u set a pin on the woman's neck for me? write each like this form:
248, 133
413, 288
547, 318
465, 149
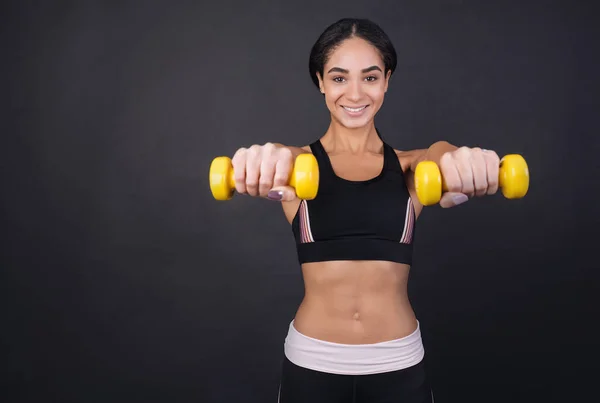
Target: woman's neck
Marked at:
340, 139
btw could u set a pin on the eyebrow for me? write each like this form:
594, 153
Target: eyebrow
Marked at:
341, 70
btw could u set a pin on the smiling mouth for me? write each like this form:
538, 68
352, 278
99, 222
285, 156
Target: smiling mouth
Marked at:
355, 110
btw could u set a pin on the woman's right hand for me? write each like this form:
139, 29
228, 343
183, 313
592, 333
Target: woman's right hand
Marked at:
264, 170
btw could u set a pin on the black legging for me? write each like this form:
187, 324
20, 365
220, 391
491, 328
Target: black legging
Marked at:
301, 385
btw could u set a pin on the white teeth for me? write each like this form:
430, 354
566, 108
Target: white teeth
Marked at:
354, 109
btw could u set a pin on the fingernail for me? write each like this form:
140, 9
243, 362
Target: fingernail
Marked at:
459, 199
275, 195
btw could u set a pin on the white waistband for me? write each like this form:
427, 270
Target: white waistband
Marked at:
353, 359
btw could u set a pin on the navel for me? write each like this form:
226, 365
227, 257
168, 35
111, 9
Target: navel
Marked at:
356, 316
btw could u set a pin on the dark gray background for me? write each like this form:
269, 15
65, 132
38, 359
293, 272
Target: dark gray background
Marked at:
124, 281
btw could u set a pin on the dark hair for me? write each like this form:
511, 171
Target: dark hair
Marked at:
344, 29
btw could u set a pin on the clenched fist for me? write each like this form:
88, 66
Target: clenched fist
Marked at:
264, 171
468, 172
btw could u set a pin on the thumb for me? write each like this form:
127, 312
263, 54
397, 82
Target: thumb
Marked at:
282, 193
452, 199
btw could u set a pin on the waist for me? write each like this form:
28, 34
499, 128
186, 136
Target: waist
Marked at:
353, 359
354, 326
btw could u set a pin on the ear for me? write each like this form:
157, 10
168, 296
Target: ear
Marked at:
321, 84
387, 79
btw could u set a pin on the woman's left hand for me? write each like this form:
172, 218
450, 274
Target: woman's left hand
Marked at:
468, 172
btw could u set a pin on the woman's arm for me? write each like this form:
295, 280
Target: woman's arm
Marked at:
433, 153
296, 151
410, 159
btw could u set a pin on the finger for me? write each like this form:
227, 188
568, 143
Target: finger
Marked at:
452, 199
267, 172
283, 169
463, 165
479, 169
239, 170
253, 162
492, 162
282, 193
450, 174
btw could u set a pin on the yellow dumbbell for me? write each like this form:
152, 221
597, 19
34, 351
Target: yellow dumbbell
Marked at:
304, 177
513, 179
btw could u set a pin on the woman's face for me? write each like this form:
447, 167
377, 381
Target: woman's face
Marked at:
354, 83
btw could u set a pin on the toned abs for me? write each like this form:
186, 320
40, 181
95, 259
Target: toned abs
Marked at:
355, 302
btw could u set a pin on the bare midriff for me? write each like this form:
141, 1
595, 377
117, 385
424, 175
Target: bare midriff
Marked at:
355, 302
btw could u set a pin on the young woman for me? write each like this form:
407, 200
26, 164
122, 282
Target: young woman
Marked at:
355, 337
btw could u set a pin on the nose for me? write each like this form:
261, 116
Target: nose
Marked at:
354, 93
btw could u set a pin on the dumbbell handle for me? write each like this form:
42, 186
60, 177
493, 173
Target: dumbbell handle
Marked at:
291, 182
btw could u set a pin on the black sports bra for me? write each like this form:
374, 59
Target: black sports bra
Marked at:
356, 220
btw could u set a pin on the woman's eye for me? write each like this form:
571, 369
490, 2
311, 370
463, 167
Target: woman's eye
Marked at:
342, 79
